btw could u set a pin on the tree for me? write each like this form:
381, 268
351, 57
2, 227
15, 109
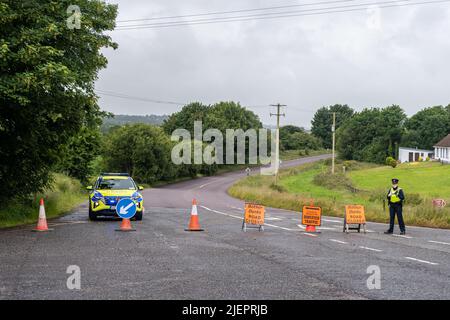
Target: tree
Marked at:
296, 138
427, 127
77, 156
370, 135
141, 150
185, 118
47, 74
323, 121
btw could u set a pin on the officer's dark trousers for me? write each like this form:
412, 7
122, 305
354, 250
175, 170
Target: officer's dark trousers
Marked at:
396, 209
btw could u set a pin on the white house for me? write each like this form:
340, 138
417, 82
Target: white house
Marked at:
413, 154
442, 150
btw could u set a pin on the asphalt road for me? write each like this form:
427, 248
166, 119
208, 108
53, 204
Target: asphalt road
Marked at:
162, 261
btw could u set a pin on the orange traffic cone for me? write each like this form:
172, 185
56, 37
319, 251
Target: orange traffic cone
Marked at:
42, 221
125, 226
194, 225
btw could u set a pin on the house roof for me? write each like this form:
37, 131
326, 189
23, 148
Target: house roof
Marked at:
415, 149
444, 142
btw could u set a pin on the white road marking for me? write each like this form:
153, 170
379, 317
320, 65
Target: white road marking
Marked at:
326, 228
338, 241
274, 226
207, 184
439, 242
329, 220
310, 234
65, 223
371, 249
423, 261
241, 218
223, 213
273, 219
301, 226
402, 236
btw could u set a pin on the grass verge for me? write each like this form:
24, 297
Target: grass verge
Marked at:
364, 184
64, 195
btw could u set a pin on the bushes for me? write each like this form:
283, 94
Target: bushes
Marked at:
63, 194
391, 162
333, 181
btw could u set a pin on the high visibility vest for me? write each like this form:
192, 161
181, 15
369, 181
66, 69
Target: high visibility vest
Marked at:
394, 195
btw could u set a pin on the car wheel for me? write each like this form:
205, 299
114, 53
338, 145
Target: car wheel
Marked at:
92, 215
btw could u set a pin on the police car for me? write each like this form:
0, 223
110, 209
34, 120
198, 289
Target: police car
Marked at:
108, 190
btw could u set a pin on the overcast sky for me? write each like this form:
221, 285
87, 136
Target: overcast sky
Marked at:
366, 58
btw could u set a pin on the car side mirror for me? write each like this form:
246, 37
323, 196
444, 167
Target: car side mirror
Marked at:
89, 188
141, 188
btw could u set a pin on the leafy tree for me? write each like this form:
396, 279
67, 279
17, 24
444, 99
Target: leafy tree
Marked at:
185, 118
370, 135
427, 127
296, 138
140, 150
323, 121
221, 116
77, 156
47, 74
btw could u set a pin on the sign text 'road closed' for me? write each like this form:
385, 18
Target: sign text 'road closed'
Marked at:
254, 214
354, 214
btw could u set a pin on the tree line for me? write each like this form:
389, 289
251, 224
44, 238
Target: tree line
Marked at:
374, 134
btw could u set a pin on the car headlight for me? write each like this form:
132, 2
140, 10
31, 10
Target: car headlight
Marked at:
136, 197
98, 197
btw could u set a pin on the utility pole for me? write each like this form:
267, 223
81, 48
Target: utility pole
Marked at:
333, 130
277, 138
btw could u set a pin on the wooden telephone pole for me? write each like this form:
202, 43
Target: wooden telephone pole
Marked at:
333, 130
277, 142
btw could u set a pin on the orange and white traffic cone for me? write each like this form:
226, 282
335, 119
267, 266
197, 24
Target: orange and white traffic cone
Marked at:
125, 226
194, 225
42, 222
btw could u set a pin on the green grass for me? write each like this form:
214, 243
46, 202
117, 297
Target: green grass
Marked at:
65, 194
430, 179
362, 184
287, 155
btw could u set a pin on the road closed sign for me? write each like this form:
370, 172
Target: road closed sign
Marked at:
354, 214
253, 216
311, 216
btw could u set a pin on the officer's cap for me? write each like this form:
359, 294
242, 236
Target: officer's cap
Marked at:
395, 181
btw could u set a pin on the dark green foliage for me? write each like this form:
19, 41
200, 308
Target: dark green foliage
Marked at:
141, 150
123, 119
47, 74
78, 155
295, 138
370, 135
323, 121
427, 127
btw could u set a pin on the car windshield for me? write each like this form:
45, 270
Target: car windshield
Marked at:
116, 184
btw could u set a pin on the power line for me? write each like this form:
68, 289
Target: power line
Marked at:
275, 16
266, 14
128, 97
233, 11
144, 99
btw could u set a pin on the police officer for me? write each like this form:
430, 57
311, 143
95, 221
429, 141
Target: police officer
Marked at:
395, 198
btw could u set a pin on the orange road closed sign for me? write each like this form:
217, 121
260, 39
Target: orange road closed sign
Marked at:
312, 216
354, 214
254, 214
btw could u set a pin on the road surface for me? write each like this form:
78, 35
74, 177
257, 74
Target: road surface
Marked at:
162, 261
